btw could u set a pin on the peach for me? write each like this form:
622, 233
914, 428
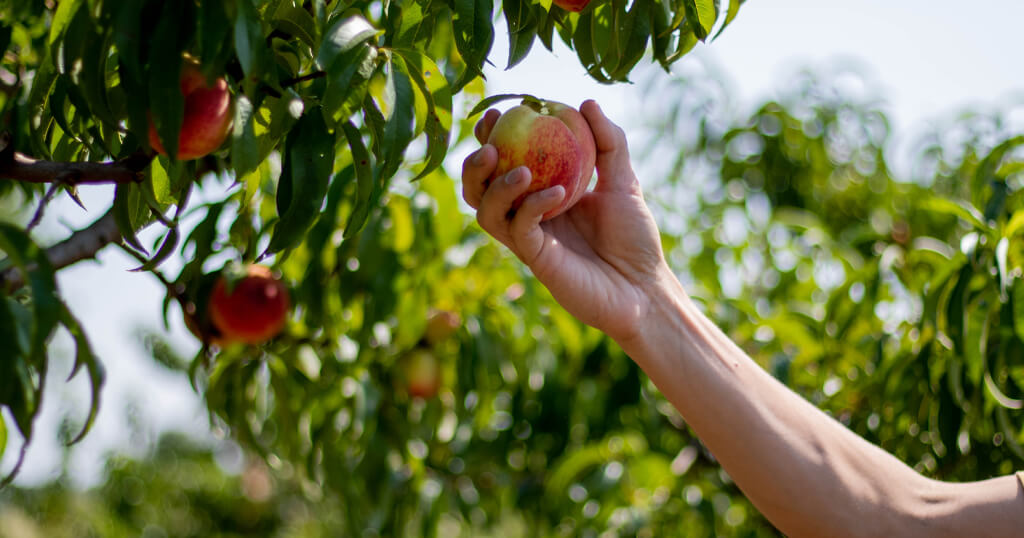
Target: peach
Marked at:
207, 116
554, 141
422, 373
572, 5
441, 325
252, 311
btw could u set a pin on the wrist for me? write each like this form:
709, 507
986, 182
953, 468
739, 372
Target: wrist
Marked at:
666, 303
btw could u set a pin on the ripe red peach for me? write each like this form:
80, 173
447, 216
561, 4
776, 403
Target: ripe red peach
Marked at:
554, 141
572, 5
207, 116
252, 311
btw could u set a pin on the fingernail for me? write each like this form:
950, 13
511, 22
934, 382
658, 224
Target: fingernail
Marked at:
478, 157
514, 176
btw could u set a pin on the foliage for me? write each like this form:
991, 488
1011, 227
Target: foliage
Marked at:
892, 303
180, 489
329, 97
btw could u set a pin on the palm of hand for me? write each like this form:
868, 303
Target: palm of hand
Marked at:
598, 259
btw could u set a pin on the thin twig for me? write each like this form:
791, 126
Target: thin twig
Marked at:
42, 206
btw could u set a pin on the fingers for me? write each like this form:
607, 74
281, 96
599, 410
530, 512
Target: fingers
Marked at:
476, 170
519, 230
527, 236
614, 171
496, 203
482, 130
479, 166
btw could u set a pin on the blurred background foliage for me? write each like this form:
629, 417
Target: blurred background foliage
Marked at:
892, 300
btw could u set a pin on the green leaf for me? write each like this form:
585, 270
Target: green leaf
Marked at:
61, 20
16, 341
949, 418
3, 437
305, 172
160, 182
430, 82
202, 238
484, 104
1002, 249
342, 37
632, 33
956, 310
1018, 307
347, 79
84, 60
583, 41
42, 84
522, 29
84, 357
296, 21
684, 44
701, 14
129, 34
407, 24
126, 202
1015, 224
214, 37
999, 396
730, 14
374, 119
167, 247
245, 151
364, 177
398, 131
250, 46
474, 36
963, 211
39, 273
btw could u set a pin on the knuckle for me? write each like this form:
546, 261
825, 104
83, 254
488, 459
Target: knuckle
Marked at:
619, 134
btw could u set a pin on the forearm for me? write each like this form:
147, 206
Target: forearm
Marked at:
803, 470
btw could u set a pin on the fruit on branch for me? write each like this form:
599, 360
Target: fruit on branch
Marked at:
422, 373
554, 141
572, 5
252, 309
202, 329
441, 325
207, 115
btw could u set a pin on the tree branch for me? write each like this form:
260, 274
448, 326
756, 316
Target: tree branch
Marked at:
20, 167
83, 244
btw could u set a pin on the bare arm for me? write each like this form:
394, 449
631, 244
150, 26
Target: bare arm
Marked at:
808, 474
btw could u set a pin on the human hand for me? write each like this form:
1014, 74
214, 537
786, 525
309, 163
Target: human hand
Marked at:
601, 259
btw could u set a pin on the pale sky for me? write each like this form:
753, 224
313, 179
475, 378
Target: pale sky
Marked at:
926, 60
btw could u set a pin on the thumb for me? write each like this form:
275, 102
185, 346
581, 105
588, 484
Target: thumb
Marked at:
614, 171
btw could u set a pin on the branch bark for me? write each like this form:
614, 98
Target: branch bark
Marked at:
81, 245
21, 167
